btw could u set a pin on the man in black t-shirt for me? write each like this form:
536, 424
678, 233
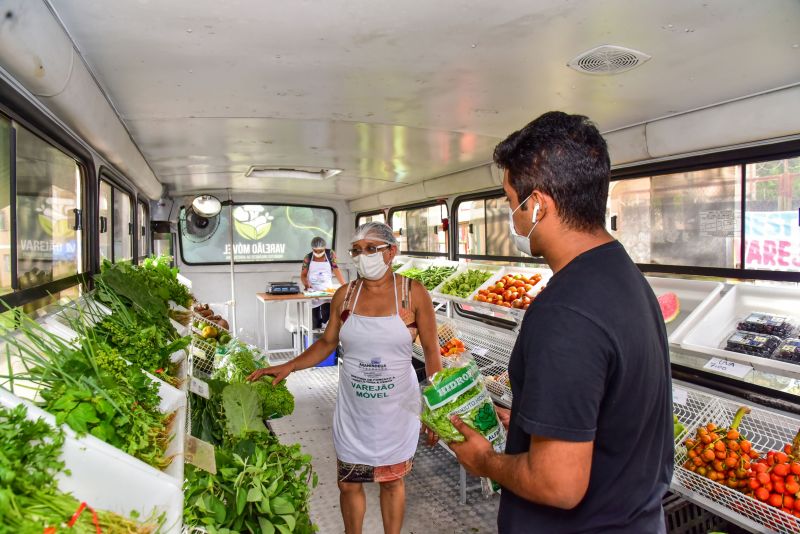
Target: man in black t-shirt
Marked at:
590, 445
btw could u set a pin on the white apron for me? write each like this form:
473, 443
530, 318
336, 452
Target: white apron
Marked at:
319, 276
376, 421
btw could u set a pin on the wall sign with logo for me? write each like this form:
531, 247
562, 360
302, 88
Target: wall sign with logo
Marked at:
262, 233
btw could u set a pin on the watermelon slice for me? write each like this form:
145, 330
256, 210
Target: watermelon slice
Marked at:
670, 306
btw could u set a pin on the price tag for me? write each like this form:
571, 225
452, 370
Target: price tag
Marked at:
200, 454
680, 396
479, 351
198, 387
739, 370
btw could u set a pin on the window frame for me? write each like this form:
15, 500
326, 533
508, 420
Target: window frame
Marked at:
110, 177
233, 204
369, 214
728, 158
483, 195
419, 205
142, 225
18, 110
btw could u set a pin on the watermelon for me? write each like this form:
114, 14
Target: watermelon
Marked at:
670, 306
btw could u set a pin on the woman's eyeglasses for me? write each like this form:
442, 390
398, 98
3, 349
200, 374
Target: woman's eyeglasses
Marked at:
369, 250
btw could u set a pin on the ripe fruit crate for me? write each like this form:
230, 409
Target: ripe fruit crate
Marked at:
546, 274
196, 317
767, 431
489, 348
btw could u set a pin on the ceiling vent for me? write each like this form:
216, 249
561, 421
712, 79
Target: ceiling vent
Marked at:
608, 59
294, 173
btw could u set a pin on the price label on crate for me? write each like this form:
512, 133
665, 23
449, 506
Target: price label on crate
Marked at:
739, 370
198, 387
200, 454
680, 396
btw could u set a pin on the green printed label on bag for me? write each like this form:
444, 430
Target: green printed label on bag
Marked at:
452, 387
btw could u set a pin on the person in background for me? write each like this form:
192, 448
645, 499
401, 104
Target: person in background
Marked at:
317, 272
590, 444
376, 422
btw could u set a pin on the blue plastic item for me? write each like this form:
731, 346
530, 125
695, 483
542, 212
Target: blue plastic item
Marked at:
327, 362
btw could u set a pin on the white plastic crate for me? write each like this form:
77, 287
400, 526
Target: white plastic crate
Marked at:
766, 431
710, 332
462, 268
546, 274
107, 479
695, 296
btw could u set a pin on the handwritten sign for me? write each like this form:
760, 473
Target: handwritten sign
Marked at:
739, 370
680, 396
198, 387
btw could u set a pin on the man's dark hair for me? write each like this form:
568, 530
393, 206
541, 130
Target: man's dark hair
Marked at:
565, 157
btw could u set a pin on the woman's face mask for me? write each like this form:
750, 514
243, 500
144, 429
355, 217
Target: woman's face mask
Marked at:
319, 254
371, 266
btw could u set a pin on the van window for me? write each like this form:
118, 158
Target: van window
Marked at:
483, 228
5, 206
105, 220
772, 228
262, 233
142, 233
122, 225
687, 218
370, 217
48, 197
421, 231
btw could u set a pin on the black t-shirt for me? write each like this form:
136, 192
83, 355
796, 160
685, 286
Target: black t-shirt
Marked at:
592, 363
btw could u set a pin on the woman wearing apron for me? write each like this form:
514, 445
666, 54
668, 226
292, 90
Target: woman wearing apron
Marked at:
317, 272
376, 423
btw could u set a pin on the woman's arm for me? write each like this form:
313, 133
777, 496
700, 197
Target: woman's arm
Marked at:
317, 352
339, 276
304, 278
426, 326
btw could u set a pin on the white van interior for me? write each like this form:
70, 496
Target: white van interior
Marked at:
305, 119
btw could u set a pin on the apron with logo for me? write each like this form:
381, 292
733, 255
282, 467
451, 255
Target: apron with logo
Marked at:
376, 421
319, 276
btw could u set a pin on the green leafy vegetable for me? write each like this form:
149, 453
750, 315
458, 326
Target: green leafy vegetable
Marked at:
30, 500
465, 283
430, 277
260, 486
242, 410
276, 401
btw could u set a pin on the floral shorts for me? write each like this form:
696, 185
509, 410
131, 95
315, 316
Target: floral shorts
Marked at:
348, 472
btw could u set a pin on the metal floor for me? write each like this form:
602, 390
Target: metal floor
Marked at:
432, 488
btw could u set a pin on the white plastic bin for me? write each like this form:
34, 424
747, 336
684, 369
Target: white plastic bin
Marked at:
107, 479
695, 296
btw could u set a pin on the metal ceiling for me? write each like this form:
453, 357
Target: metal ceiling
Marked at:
396, 92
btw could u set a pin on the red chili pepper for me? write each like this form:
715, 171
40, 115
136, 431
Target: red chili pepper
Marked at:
49, 530
76, 515
159, 371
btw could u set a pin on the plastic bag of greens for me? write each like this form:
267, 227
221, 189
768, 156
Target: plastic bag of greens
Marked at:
459, 390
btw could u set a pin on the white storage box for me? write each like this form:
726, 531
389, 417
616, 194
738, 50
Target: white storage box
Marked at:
107, 479
711, 331
546, 274
696, 297
462, 268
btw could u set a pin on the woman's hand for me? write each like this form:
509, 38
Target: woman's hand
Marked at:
280, 372
432, 437
503, 415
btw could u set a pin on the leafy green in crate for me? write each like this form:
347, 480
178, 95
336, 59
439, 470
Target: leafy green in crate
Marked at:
465, 283
30, 501
86, 386
429, 277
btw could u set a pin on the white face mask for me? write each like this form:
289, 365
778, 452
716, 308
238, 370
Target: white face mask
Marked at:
371, 266
523, 242
319, 254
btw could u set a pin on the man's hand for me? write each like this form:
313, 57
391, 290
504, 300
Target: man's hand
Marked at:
474, 451
279, 372
503, 415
